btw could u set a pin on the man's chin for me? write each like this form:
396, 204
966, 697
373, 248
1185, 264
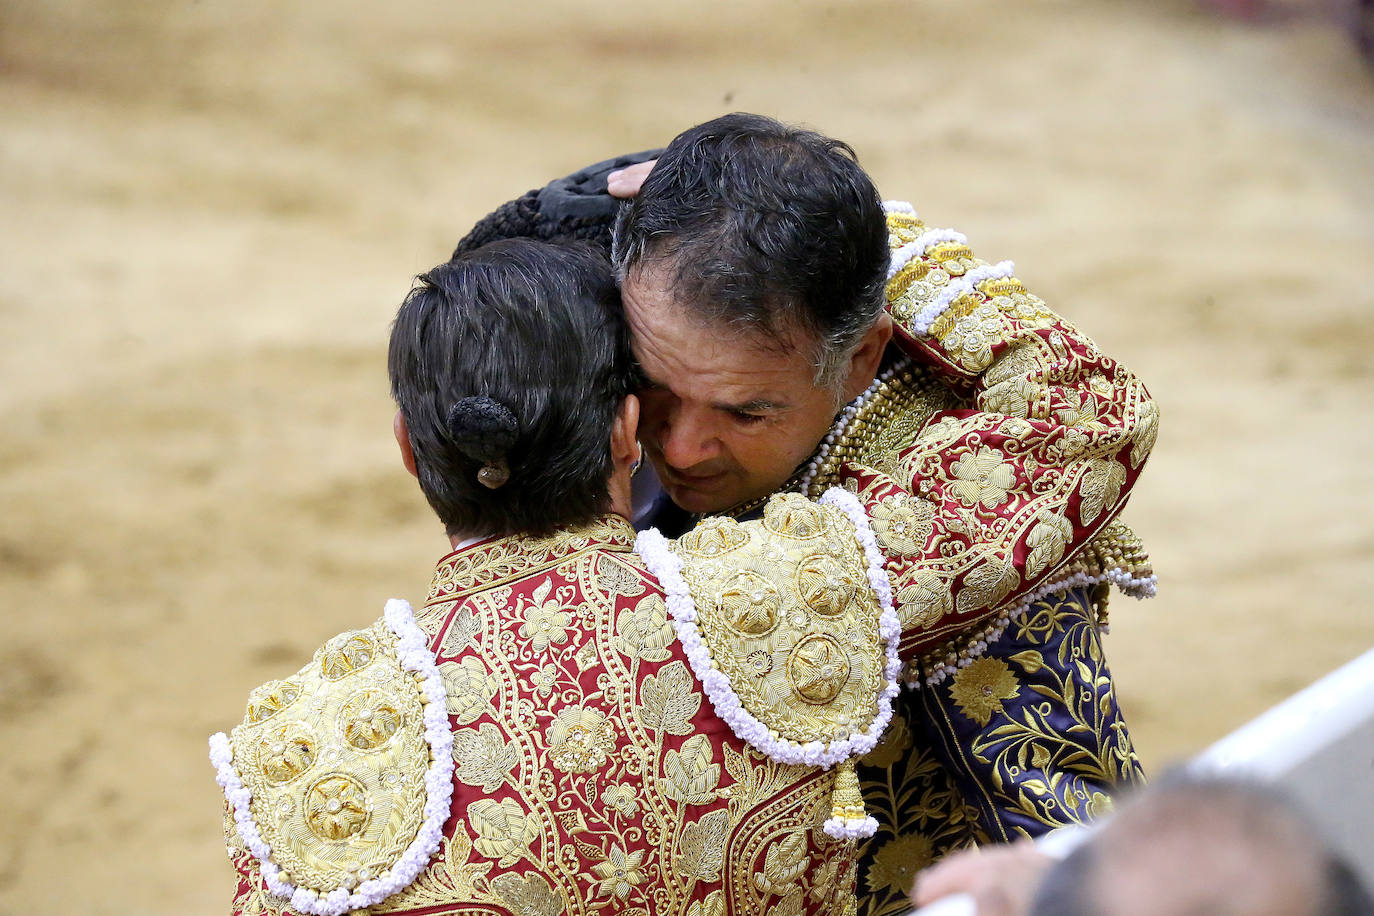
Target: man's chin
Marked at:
701, 502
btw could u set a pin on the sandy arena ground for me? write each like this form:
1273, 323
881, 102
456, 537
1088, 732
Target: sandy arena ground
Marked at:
212, 210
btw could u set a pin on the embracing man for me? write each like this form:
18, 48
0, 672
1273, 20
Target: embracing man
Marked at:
795, 334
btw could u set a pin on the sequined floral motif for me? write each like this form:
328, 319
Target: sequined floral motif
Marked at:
336, 807
368, 720
286, 752
346, 654
546, 619
903, 523
983, 478
818, 667
579, 739
622, 798
897, 863
620, 873
980, 688
271, 698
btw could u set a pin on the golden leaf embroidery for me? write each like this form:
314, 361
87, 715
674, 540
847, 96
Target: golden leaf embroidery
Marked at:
691, 775
461, 632
1100, 488
713, 905
469, 688
980, 688
1146, 431
987, 584
645, 631
616, 579
668, 700
1030, 660
784, 864
528, 894
924, 600
1046, 541
703, 846
484, 756
503, 831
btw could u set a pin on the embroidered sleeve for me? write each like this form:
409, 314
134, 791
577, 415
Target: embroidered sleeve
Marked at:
983, 505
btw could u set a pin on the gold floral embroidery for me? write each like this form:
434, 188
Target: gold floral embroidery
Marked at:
903, 523
579, 739
334, 760
546, 619
897, 863
983, 479
544, 679
980, 688
620, 873
621, 797
369, 719
337, 807
271, 698
805, 656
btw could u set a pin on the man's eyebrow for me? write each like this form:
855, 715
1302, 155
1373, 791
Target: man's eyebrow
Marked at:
754, 405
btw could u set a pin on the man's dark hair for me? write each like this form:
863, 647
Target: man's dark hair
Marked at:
767, 227
512, 353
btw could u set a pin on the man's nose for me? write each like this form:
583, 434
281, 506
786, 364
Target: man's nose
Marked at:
687, 437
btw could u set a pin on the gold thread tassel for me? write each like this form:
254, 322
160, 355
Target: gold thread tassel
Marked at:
848, 820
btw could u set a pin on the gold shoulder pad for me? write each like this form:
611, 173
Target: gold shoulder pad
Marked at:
334, 762
788, 613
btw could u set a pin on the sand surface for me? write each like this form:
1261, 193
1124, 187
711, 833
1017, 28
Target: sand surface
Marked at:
211, 211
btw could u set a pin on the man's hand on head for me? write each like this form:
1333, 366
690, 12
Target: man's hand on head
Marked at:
1001, 879
625, 183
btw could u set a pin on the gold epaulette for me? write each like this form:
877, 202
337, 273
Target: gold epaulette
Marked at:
790, 633
327, 772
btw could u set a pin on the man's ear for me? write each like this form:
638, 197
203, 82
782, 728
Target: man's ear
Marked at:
398, 426
625, 432
867, 356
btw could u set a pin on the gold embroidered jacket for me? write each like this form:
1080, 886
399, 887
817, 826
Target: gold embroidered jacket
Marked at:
993, 459
590, 774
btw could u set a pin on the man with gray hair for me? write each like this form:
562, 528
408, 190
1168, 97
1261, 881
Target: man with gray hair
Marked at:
795, 333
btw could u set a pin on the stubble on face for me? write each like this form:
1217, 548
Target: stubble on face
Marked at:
726, 416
